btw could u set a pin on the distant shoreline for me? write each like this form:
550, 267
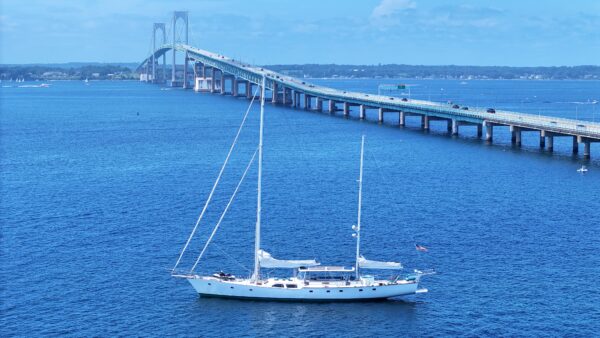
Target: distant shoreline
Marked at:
126, 71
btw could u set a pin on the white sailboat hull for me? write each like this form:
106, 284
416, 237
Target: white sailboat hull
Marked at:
243, 289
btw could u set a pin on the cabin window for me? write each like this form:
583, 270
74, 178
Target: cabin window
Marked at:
250, 289
277, 285
360, 290
209, 284
291, 286
374, 289
341, 290
328, 290
310, 291
231, 287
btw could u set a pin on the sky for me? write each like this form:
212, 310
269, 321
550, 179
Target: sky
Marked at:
423, 32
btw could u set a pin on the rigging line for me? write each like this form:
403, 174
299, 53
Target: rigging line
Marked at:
233, 259
224, 212
214, 187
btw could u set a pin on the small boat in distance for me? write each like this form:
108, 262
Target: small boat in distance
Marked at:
309, 280
583, 169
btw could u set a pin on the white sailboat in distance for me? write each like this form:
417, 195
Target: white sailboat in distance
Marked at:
308, 280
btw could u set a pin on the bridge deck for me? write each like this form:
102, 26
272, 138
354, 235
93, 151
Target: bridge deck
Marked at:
558, 126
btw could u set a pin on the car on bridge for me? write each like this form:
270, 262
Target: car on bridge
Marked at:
455, 106
404, 99
465, 108
491, 110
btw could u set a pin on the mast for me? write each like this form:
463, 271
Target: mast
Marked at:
360, 179
256, 273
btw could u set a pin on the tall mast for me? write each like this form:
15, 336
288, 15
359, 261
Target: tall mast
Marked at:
360, 179
256, 274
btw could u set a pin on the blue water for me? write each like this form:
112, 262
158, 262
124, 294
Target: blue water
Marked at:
101, 185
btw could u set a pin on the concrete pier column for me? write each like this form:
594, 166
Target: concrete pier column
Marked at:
306, 101
513, 134
479, 131
380, 115
203, 70
362, 114
425, 122
454, 127
275, 93
294, 100
249, 90
550, 141
517, 134
222, 82
346, 109
213, 80
575, 145
586, 149
234, 87
449, 126
331, 106
318, 104
402, 118
489, 132
185, 71
284, 98
542, 140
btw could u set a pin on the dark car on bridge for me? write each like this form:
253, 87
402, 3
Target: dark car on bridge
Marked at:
404, 99
455, 106
465, 108
491, 110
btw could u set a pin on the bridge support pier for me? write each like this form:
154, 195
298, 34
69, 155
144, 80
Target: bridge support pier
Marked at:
213, 79
318, 104
401, 119
284, 98
222, 82
542, 140
575, 145
586, 149
331, 107
479, 130
454, 127
234, 87
425, 122
380, 115
307, 102
362, 112
275, 92
249, 90
489, 132
346, 109
515, 135
550, 141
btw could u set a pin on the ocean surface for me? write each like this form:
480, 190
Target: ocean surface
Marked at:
101, 184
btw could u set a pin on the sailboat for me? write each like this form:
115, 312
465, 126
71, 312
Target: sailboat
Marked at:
309, 280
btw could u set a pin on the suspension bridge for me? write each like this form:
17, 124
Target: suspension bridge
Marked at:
215, 73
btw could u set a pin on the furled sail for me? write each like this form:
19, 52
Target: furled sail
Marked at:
367, 264
267, 261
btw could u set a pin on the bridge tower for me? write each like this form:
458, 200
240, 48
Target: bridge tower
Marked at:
159, 26
183, 15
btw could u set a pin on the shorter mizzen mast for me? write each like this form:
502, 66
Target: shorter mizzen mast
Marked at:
256, 273
356, 228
